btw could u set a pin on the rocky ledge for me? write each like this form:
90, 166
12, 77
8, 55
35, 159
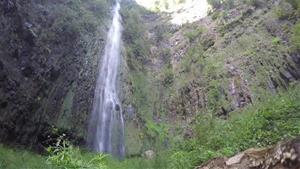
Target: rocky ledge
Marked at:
285, 155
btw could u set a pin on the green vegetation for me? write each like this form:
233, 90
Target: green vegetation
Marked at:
295, 4
65, 156
17, 159
273, 119
160, 162
288, 9
276, 41
75, 19
194, 34
229, 4
167, 76
282, 13
137, 48
144, 94
296, 37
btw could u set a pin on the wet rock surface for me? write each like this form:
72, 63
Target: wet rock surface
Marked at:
47, 71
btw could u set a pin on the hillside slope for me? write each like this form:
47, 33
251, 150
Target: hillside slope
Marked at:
236, 56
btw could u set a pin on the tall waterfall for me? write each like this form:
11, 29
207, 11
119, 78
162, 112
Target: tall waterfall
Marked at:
106, 127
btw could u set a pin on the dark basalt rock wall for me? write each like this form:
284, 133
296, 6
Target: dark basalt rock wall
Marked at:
48, 63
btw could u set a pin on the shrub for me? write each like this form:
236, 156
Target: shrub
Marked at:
179, 160
294, 3
65, 156
158, 131
167, 76
194, 34
276, 41
284, 11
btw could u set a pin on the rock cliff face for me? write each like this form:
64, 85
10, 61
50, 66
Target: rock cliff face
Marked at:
217, 65
49, 53
234, 56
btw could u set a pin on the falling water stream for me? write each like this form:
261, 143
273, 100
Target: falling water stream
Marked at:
106, 127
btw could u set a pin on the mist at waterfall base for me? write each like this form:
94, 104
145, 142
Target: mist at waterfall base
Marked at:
106, 126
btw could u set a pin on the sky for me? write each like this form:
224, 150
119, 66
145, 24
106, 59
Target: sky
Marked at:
187, 11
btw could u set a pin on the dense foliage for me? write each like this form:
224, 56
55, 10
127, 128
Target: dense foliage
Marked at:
16, 159
273, 119
262, 124
65, 156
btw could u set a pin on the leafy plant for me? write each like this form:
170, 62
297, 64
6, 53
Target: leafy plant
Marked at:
276, 41
179, 160
157, 130
65, 156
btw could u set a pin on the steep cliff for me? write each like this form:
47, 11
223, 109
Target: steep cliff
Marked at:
49, 53
240, 53
231, 58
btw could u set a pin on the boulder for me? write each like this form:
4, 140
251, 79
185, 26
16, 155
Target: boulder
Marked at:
285, 155
149, 154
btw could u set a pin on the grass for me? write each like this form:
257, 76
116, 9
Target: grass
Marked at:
160, 162
21, 159
18, 159
273, 119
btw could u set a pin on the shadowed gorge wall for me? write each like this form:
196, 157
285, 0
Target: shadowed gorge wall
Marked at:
49, 52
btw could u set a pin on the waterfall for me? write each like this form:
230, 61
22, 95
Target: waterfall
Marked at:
106, 127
